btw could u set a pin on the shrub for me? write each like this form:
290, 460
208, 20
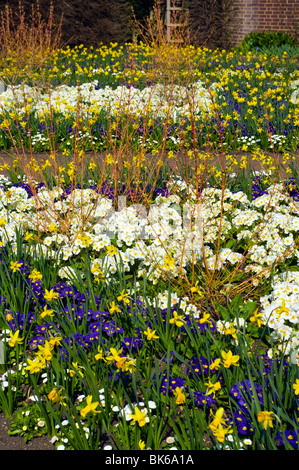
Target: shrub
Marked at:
266, 39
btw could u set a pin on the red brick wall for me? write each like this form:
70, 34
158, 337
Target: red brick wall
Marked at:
263, 15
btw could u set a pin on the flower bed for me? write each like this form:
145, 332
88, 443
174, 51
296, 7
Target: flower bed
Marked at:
151, 309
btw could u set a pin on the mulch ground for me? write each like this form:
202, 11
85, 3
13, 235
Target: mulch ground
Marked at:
8, 442
179, 163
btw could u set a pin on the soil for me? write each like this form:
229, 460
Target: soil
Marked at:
8, 442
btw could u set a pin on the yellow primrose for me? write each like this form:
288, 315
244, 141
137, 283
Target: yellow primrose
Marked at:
35, 275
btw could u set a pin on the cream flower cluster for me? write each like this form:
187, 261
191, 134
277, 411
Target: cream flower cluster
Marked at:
280, 311
158, 100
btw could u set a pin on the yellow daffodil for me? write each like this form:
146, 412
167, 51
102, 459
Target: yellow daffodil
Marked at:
256, 318
266, 417
229, 359
180, 396
114, 308
100, 355
46, 312
212, 387
138, 417
215, 365
45, 351
90, 407
14, 338
123, 297
34, 366
15, 266
177, 319
218, 419
115, 355
51, 295
55, 396
35, 275
150, 334
220, 432
76, 367
296, 387
141, 445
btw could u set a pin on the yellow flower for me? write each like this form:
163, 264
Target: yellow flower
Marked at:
28, 236
139, 417
114, 308
196, 289
218, 419
45, 351
100, 354
265, 417
35, 275
90, 407
52, 227
213, 387
34, 365
115, 355
177, 319
123, 297
14, 338
50, 294
256, 318
76, 367
55, 396
111, 250
180, 396
229, 359
215, 364
296, 387
150, 334
46, 312
141, 445
220, 432
15, 266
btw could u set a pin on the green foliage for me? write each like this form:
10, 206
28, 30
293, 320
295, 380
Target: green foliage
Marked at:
266, 39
